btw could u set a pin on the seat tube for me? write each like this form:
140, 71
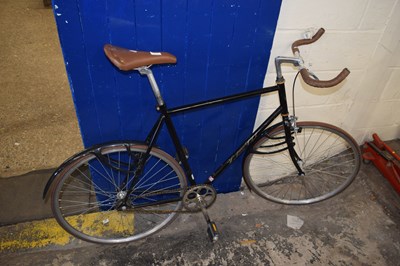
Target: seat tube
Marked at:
149, 74
177, 143
161, 107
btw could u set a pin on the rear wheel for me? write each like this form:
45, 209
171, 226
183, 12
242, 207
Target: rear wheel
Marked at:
91, 199
329, 157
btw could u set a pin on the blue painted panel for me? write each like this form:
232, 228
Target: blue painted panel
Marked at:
222, 48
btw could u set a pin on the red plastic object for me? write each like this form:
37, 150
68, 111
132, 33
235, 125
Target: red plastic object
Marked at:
385, 159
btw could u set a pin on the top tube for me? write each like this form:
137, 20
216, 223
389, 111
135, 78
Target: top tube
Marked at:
225, 99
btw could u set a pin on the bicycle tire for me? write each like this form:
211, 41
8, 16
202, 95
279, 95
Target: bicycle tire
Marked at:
330, 159
85, 194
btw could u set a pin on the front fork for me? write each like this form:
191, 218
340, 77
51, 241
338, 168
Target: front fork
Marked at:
289, 124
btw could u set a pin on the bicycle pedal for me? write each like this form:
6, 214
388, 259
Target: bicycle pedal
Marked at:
212, 231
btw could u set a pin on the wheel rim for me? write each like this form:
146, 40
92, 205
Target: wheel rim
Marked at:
330, 160
88, 195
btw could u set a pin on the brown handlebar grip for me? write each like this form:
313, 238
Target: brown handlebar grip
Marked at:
324, 83
315, 38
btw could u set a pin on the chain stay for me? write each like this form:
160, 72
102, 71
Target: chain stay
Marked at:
169, 191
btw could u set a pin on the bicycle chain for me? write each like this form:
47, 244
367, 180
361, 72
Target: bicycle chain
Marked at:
140, 209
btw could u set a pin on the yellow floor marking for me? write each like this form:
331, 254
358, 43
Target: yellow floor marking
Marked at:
38, 234
247, 242
34, 234
101, 223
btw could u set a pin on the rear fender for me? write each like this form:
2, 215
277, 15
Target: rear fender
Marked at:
77, 156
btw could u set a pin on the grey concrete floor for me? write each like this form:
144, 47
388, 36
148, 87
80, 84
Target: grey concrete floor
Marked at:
38, 130
38, 126
357, 227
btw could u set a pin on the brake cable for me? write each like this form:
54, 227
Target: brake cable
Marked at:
293, 103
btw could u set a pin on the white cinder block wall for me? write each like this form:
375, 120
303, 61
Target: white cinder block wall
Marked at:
362, 35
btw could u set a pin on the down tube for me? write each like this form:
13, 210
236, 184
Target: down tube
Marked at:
245, 144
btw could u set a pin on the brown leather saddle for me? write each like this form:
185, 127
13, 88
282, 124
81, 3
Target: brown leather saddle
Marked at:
126, 59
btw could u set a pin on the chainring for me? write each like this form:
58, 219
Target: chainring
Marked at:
207, 193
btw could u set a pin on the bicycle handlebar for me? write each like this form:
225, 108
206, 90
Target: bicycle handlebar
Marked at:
323, 83
301, 42
307, 77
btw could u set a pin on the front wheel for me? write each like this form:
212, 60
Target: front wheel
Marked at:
329, 157
100, 197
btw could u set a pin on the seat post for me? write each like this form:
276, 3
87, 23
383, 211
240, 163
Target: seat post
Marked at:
147, 71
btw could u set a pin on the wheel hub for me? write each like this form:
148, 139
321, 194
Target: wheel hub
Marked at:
121, 195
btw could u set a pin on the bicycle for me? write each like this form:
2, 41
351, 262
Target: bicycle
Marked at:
125, 191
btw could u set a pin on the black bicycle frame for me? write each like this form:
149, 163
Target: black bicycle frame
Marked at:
165, 117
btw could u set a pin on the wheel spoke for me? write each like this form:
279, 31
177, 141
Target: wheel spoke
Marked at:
329, 158
90, 202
